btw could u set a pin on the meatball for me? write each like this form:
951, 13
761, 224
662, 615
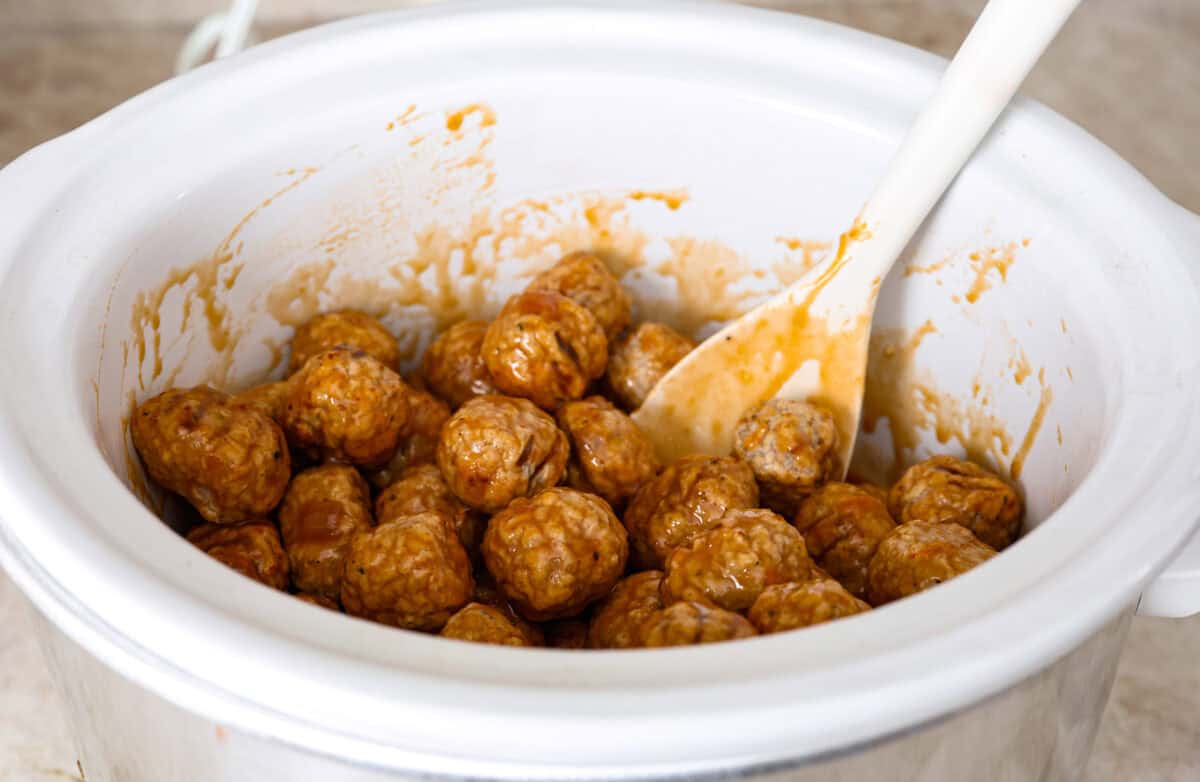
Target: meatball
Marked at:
946, 489
612, 456
583, 278
567, 634
231, 463
802, 604
345, 329
496, 448
319, 600
792, 448
251, 548
270, 399
842, 526
483, 624
555, 553
322, 511
421, 489
684, 624
418, 445
684, 500
411, 573
347, 407
545, 348
453, 366
617, 622
638, 360
729, 566
919, 555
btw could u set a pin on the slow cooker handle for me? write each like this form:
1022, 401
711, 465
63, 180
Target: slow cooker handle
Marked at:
1175, 593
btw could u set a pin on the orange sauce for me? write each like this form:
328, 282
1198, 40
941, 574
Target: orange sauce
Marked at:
1035, 426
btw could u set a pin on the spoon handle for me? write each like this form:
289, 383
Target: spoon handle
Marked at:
997, 55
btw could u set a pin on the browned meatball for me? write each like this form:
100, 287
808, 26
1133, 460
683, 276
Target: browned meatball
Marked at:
555, 553
730, 565
319, 600
638, 360
411, 573
614, 458
583, 278
421, 489
684, 500
842, 526
483, 624
567, 634
919, 555
684, 624
251, 548
230, 462
803, 604
270, 399
453, 366
418, 445
323, 509
792, 448
946, 489
617, 622
545, 348
489, 594
497, 448
345, 329
347, 407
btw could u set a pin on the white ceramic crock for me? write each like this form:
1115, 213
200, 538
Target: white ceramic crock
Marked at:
690, 138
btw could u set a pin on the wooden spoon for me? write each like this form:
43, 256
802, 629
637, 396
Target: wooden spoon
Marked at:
810, 341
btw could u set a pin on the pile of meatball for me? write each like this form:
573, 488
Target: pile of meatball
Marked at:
502, 493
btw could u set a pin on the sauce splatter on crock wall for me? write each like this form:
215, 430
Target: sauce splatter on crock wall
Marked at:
437, 272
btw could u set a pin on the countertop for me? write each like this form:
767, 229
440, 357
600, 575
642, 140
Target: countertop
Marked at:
1129, 72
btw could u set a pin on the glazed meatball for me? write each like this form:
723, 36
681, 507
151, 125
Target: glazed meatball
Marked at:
270, 399
730, 565
453, 366
555, 553
231, 463
792, 448
617, 622
251, 548
919, 555
545, 348
639, 360
946, 489
583, 278
687, 498
803, 604
319, 600
410, 573
497, 448
567, 634
418, 445
324, 508
684, 624
483, 624
611, 455
421, 489
345, 406
345, 329
842, 526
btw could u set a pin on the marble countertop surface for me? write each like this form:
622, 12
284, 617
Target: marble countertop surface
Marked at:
1127, 71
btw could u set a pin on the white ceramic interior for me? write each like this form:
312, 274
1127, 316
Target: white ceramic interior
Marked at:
346, 167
